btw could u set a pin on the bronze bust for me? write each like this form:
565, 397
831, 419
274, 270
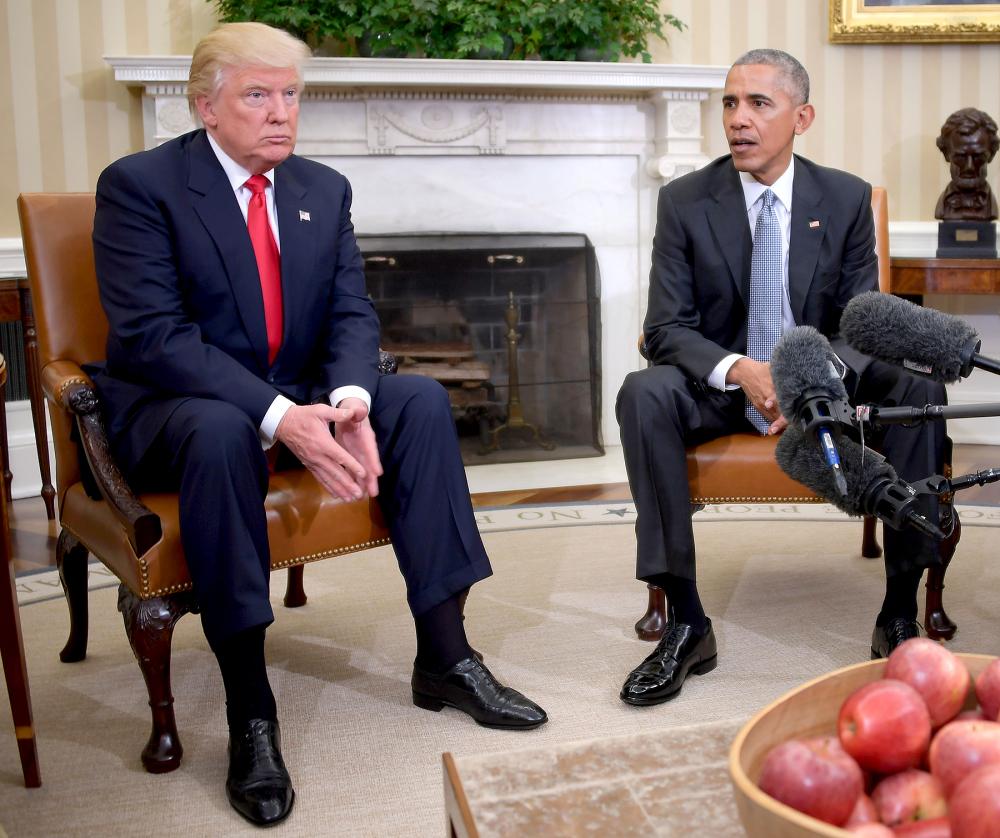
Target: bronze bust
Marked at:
968, 142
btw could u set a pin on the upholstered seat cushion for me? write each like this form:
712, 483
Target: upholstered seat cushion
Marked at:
304, 523
741, 468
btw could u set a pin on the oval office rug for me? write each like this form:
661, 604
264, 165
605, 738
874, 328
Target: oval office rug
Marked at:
788, 592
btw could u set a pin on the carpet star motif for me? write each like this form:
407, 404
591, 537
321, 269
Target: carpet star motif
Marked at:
621, 513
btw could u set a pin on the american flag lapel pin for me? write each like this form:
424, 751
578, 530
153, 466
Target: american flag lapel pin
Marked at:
812, 224
304, 216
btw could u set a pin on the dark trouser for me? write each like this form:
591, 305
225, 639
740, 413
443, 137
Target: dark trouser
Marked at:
660, 412
210, 452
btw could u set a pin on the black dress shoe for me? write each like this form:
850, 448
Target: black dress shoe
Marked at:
888, 637
258, 785
660, 677
470, 687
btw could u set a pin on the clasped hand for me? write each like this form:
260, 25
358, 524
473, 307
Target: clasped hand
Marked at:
346, 463
754, 377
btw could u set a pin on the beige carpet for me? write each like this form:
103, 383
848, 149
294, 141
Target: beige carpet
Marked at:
790, 600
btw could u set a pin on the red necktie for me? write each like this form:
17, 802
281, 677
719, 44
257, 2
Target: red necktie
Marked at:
268, 263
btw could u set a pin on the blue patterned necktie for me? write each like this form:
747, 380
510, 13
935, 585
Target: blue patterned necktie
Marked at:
766, 291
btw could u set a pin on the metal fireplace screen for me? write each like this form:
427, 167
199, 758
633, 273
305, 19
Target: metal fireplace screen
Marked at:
509, 324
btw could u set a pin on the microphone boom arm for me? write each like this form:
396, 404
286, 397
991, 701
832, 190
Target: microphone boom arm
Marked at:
938, 484
875, 415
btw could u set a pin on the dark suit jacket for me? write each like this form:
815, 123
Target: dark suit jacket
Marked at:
179, 283
700, 277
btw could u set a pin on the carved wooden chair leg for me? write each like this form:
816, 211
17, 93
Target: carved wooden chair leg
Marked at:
149, 624
651, 624
936, 622
870, 547
15, 669
71, 561
295, 592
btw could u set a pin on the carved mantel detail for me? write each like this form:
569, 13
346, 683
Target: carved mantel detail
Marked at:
401, 125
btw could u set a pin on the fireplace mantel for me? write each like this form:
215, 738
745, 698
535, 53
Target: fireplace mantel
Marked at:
672, 93
452, 73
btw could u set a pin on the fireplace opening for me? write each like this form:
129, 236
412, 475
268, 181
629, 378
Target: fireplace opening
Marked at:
509, 324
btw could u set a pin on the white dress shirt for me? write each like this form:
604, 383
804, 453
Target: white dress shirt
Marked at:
238, 176
753, 191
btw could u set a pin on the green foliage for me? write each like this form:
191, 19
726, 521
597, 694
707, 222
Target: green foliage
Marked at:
558, 30
600, 30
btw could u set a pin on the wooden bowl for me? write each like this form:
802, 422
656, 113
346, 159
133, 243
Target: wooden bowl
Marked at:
809, 710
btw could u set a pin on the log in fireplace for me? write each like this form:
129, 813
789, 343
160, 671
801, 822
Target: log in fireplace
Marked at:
509, 324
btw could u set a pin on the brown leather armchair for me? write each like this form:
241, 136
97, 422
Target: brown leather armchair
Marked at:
138, 538
741, 468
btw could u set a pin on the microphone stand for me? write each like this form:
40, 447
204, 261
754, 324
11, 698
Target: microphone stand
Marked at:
876, 416
945, 487
938, 484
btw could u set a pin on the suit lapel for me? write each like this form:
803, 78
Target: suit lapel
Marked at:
297, 217
219, 211
809, 225
726, 215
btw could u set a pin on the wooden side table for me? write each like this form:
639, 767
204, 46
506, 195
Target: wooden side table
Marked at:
12, 648
916, 277
618, 785
15, 305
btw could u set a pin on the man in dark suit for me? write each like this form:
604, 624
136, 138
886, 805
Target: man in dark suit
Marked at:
239, 319
757, 242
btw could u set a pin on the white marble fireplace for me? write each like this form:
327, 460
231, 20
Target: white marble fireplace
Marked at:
495, 147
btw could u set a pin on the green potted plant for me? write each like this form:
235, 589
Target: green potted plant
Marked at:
314, 21
558, 30
601, 30
387, 28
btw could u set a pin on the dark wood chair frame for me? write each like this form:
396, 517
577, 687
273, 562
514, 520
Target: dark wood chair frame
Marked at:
12, 649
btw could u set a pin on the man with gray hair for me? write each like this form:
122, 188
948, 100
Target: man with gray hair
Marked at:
239, 321
755, 243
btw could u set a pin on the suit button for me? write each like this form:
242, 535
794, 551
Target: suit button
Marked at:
270, 379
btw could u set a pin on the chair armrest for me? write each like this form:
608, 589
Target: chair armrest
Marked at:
72, 390
387, 364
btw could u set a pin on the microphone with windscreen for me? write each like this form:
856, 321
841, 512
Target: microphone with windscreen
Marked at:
807, 378
924, 341
873, 487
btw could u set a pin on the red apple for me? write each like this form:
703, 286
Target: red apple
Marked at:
988, 690
910, 795
885, 726
959, 748
934, 828
975, 715
814, 776
936, 673
864, 812
871, 830
975, 805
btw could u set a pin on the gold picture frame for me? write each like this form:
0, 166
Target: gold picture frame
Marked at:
913, 21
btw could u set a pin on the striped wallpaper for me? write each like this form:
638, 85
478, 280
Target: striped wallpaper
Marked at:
879, 108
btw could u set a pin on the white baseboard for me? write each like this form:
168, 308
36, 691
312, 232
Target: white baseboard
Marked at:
984, 431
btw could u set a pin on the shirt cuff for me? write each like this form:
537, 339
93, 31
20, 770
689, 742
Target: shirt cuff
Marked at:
717, 377
350, 392
269, 424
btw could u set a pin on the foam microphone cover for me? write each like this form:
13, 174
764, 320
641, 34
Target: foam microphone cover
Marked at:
899, 332
802, 460
802, 364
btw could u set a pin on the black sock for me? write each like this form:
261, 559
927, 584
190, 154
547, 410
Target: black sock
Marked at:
900, 596
441, 641
683, 602
244, 675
